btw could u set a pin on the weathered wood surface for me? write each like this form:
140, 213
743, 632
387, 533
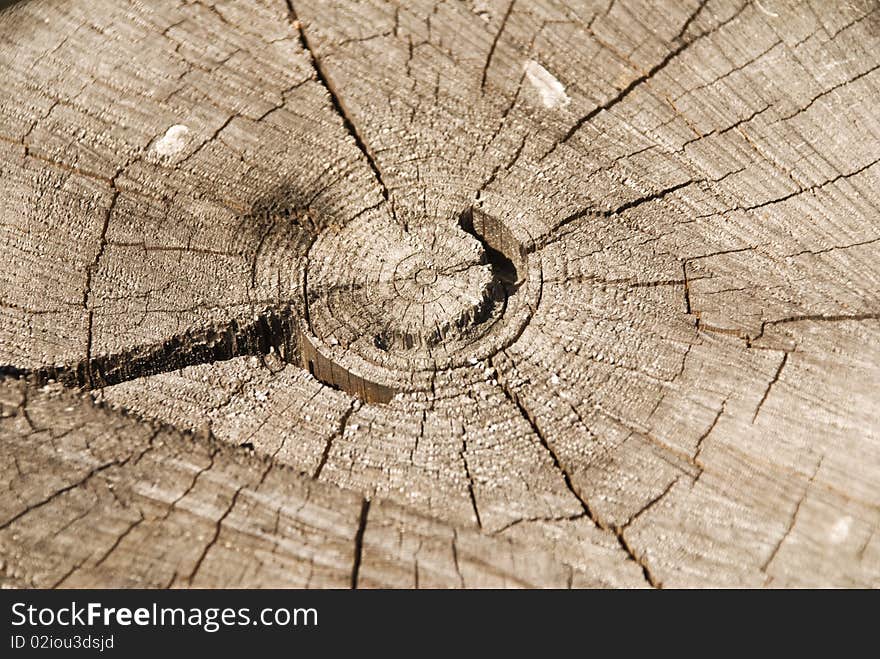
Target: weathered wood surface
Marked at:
97, 498
571, 293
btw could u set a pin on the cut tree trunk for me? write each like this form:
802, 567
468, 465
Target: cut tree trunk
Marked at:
457, 294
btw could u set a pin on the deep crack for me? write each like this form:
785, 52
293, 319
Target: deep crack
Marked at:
336, 100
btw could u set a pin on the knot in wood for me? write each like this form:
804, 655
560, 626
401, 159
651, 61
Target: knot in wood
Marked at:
396, 290
387, 305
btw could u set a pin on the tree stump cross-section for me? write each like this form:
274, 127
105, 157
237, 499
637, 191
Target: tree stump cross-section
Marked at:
479, 293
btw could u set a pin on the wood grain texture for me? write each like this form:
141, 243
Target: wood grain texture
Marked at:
483, 293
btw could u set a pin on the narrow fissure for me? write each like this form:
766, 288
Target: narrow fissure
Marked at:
566, 477
335, 100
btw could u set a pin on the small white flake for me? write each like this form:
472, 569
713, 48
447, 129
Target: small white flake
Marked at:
840, 530
764, 10
483, 9
554, 379
551, 90
173, 141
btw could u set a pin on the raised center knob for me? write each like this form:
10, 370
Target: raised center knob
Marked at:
377, 289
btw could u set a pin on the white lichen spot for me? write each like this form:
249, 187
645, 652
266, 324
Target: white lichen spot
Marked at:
552, 91
766, 11
840, 530
483, 9
173, 141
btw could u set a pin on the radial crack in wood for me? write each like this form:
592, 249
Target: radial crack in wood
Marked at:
544, 294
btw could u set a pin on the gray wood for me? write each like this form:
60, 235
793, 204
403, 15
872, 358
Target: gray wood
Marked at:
100, 499
578, 294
